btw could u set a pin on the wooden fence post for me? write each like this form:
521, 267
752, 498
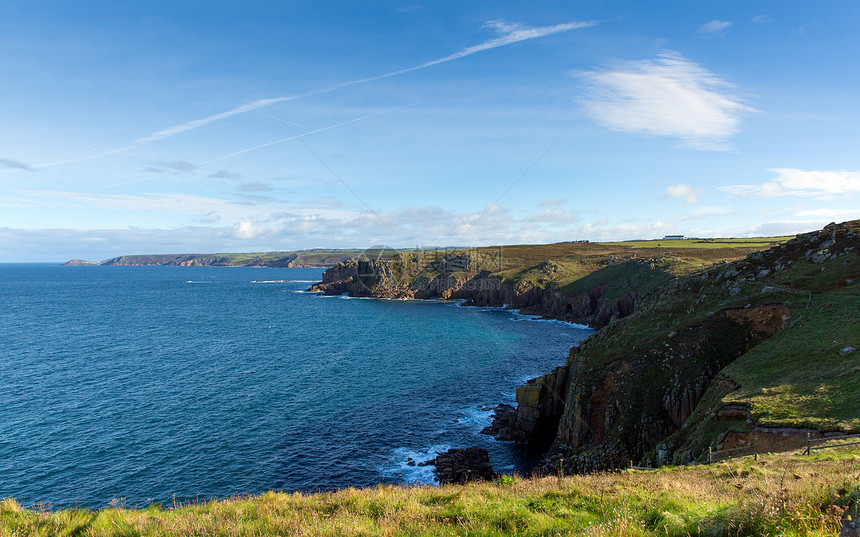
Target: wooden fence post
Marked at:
709, 455
755, 449
808, 444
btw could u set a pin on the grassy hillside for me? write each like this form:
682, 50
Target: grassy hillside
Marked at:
576, 259
799, 378
691, 364
759, 243
777, 495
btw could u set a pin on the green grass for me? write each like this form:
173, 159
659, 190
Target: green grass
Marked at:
778, 495
795, 379
625, 266
798, 378
760, 243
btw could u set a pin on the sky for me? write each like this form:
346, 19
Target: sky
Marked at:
218, 126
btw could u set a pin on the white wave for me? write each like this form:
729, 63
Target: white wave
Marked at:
404, 464
284, 281
196, 281
475, 418
478, 308
517, 316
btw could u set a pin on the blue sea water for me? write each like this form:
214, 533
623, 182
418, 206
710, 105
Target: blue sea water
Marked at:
155, 383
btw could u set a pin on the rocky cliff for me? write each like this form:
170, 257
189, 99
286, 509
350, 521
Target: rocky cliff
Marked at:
649, 387
632, 392
463, 277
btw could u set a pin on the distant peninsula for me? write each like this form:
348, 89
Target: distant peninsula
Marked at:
315, 258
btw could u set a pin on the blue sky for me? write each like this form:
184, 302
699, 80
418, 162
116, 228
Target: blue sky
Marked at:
170, 127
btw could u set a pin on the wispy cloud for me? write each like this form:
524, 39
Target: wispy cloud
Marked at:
299, 228
669, 96
13, 164
714, 28
785, 227
256, 186
762, 19
507, 33
681, 190
835, 214
174, 203
554, 215
604, 230
807, 183
177, 166
224, 174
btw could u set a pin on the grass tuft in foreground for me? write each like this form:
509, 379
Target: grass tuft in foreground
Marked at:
778, 495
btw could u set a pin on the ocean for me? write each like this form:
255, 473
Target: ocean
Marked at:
144, 385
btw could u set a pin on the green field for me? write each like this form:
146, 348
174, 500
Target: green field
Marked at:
760, 243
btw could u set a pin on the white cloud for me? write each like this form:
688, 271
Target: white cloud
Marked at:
833, 214
807, 183
554, 215
148, 202
792, 227
687, 192
182, 207
762, 19
554, 202
669, 96
715, 27
603, 230
247, 229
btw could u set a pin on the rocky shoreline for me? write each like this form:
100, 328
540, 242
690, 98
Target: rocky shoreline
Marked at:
632, 392
594, 308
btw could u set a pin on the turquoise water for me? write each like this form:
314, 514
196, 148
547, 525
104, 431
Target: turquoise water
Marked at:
154, 383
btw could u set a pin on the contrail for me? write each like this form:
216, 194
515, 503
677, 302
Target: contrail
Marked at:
511, 33
261, 146
295, 137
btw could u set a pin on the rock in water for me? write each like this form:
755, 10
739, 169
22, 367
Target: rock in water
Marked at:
504, 417
463, 465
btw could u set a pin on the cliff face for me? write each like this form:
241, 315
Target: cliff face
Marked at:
196, 260
634, 391
624, 404
459, 277
540, 406
298, 259
633, 387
